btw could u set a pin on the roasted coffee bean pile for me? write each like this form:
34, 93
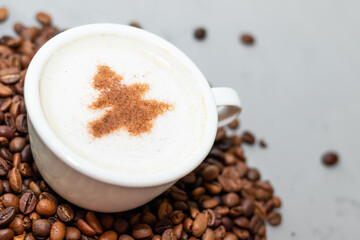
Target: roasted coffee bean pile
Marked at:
222, 199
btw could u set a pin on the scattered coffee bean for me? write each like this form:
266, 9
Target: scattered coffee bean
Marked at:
3, 14
200, 33
274, 218
247, 39
43, 18
135, 24
248, 137
262, 143
330, 158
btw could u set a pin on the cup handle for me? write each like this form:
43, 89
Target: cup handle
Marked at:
228, 103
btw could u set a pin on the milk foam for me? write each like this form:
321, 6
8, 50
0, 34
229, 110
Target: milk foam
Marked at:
66, 93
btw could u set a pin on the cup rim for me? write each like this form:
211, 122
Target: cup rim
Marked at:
79, 163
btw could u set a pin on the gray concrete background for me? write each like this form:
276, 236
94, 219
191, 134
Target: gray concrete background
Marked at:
299, 85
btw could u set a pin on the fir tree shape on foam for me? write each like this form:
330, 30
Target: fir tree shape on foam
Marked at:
126, 108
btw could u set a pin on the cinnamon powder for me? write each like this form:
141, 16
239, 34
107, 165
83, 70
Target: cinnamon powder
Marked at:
127, 108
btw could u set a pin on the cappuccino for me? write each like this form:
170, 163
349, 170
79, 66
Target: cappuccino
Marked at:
123, 104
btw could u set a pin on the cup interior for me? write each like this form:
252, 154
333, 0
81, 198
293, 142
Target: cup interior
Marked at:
41, 126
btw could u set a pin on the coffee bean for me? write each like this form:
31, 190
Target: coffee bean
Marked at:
27, 202
3, 14
227, 223
213, 187
35, 188
15, 180
248, 207
165, 209
247, 39
9, 75
17, 225
16, 160
231, 199
178, 194
162, 225
29, 236
57, 231
274, 218
330, 158
5, 91
234, 124
21, 123
72, 233
210, 173
148, 218
219, 232
177, 217
121, 226
45, 207
27, 223
65, 213
6, 234
25, 154
10, 200
248, 137
109, 235
253, 175
141, 231
7, 132
230, 236
94, 222
242, 222
107, 221
241, 233
6, 186
207, 202
47, 195
262, 143
17, 144
4, 142
7, 215
168, 234
126, 237
199, 225
200, 33
208, 235
255, 224
135, 24
43, 18
41, 228
25, 170
4, 167
85, 228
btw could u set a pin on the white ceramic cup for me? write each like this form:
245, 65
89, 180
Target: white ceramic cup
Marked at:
87, 185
